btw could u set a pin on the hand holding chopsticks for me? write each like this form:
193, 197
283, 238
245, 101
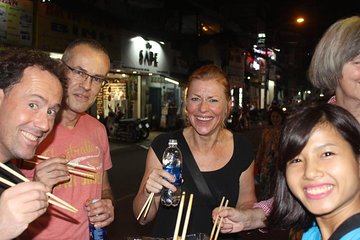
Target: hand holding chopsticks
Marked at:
20, 205
72, 168
216, 223
53, 199
71, 164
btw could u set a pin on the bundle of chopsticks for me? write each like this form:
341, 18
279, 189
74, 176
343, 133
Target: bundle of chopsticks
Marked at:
53, 199
72, 167
217, 223
146, 206
178, 219
187, 217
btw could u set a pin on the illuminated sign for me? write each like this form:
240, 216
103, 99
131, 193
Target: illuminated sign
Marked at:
148, 57
145, 55
265, 51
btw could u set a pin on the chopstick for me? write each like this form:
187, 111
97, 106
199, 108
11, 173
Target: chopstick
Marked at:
82, 174
11, 184
178, 219
149, 204
71, 164
221, 219
66, 205
84, 167
216, 219
7, 182
187, 217
146, 206
71, 170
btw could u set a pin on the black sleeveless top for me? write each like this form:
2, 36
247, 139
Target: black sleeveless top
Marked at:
222, 182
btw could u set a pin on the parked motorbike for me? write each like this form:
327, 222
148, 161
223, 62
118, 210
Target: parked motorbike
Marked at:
129, 130
144, 128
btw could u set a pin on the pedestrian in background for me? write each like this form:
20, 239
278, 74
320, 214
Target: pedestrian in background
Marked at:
31, 90
79, 138
265, 161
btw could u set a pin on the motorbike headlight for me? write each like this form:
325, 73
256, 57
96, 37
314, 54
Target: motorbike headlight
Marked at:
140, 125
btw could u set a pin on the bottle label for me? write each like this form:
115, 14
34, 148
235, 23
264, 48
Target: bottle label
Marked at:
176, 172
97, 233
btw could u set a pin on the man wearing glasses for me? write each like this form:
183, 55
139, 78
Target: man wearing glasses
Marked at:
81, 139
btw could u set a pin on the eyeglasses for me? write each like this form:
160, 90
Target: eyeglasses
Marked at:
82, 75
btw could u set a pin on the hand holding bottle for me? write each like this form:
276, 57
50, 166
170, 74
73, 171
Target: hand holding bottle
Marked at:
100, 215
159, 179
172, 163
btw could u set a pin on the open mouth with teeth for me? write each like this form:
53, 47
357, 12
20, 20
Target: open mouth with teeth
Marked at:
315, 191
30, 136
204, 118
82, 97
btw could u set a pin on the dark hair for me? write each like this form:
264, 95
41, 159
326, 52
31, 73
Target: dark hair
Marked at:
83, 41
287, 211
275, 110
13, 62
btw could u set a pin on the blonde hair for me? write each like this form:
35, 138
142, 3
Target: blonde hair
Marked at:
212, 72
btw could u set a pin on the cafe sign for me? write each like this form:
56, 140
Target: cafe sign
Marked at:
145, 55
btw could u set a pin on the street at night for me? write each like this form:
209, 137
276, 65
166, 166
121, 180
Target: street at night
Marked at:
130, 70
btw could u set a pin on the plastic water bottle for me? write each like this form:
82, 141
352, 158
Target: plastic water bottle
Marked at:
172, 163
96, 233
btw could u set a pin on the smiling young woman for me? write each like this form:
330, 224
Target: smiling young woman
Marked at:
318, 178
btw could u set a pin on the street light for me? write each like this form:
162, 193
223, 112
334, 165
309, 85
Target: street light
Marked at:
300, 20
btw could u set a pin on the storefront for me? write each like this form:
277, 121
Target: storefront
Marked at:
134, 95
140, 84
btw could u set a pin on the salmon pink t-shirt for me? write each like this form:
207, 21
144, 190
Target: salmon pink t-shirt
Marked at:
86, 144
